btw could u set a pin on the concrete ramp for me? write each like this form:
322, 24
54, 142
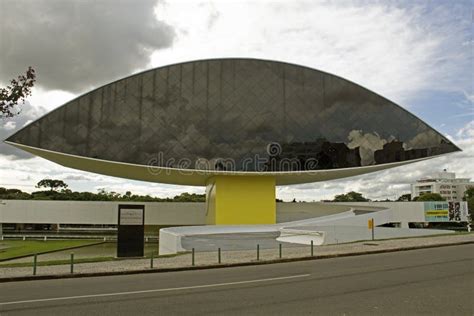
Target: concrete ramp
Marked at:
347, 226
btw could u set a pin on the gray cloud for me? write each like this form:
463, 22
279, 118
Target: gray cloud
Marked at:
213, 17
75, 45
77, 177
11, 125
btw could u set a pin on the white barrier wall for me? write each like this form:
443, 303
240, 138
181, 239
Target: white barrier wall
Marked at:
402, 211
417, 212
185, 213
156, 213
92, 212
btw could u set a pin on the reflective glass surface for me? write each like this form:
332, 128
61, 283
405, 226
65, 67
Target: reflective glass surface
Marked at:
239, 115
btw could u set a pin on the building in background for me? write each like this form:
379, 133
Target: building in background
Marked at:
444, 183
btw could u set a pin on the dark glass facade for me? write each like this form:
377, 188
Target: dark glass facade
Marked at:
235, 114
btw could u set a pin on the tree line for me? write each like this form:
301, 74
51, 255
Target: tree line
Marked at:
53, 189
58, 190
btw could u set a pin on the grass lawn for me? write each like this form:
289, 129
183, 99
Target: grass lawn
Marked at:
56, 262
94, 251
15, 248
76, 260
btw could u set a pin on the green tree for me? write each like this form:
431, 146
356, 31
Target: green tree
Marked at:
429, 197
17, 92
13, 194
350, 197
469, 194
105, 195
189, 197
53, 185
469, 198
404, 198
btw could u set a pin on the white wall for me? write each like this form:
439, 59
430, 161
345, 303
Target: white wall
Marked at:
92, 212
404, 211
181, 213
156, 213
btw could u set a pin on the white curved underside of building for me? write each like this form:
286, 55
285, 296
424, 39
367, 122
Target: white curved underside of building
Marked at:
196, 177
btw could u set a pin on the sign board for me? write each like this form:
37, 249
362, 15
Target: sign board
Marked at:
370, 223
131, 230
445, 211
130, 216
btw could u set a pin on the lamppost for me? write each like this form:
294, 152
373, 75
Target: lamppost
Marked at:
1, 229
469, 223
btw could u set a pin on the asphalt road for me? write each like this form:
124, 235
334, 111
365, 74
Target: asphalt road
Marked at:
435, 281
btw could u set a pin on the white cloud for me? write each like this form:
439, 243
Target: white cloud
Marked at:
10, 125
49, 99
467, 131
24, 174
154, 189
392, 50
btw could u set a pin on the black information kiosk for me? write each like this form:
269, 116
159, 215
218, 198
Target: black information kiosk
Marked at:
131, 230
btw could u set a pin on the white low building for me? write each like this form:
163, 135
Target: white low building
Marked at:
444, 183
194, 213
300, 223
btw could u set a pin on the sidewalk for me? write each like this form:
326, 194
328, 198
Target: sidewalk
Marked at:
236, 257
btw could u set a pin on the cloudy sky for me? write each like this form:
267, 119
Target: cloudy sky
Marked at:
417, 53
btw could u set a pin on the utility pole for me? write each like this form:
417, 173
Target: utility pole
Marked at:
1, 228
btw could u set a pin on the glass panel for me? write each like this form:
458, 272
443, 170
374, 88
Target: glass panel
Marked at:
236, 114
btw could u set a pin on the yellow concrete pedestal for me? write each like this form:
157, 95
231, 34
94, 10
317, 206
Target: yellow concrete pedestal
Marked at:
240, 200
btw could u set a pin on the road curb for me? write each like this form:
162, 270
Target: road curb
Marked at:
224, 265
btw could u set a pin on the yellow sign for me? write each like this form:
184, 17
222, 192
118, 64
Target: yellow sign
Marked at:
370, 223
436, 213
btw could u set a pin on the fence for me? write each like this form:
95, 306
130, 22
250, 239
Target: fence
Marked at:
73, 263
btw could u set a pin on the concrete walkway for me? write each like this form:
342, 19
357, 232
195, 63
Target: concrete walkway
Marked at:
227, 257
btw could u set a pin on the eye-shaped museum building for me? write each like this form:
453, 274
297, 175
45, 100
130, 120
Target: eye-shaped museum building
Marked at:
237, 126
